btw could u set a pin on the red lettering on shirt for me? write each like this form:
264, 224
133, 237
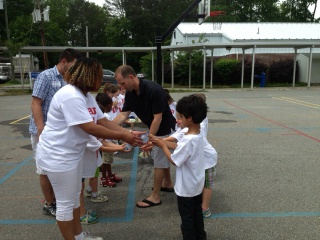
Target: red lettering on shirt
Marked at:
92, 111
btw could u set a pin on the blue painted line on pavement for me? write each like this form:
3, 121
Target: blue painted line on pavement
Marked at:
15, 169
263, 129
131, 192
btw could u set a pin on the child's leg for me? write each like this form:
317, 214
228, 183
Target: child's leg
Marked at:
207, 192
104, 170
206, 198
108, 167
94, 184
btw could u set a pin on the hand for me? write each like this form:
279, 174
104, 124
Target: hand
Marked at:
157, 141
132, 139
147, 146
123, 148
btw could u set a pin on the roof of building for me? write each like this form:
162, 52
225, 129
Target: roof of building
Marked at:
256, 31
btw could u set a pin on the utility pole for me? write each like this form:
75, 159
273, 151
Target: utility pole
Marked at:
8, 37
43, 40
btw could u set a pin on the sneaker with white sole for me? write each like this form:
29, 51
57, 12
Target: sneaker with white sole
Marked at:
50, 210
88, 219
86, 193
206, 213
92, 213
100, 198
88, 236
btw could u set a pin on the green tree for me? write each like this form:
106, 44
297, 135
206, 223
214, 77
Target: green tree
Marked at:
298, 10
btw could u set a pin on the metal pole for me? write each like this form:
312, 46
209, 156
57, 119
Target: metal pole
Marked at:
190, 69
172, 69
152, 67
310, 66
87, 39
294, 67
160, 38
204, 69
252, 66
8, 38
242, 68
211, 69
21, 76
162, 70
43, 40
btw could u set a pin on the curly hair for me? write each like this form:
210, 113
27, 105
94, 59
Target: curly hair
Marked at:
86, 74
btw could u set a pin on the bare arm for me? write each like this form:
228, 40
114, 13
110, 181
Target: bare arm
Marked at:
37, 114
121, 118
157, 118
117, 133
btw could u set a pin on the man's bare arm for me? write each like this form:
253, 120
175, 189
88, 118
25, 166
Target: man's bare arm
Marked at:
36, 109
157, 118
121, 118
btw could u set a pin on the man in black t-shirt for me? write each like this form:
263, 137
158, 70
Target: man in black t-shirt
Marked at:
148, 101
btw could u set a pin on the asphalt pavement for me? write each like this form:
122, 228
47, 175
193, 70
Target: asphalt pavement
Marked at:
266, 187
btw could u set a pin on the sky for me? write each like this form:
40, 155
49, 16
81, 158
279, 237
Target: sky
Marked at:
101, 2
98, 2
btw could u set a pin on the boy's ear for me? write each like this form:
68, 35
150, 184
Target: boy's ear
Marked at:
189, 119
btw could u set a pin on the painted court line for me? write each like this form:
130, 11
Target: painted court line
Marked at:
131, 203
130, 198
306, 104
14, 122
274, 122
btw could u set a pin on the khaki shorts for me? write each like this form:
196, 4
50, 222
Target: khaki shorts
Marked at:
160, 159
107, 157
34, 144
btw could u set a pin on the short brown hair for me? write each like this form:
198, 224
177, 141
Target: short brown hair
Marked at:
125, 71
86, 74
69, 54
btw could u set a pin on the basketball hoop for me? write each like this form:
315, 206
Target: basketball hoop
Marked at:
217, 17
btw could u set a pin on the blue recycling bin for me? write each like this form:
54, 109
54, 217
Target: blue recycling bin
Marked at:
262, 79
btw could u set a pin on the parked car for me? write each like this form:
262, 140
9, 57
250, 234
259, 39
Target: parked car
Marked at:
4, 79
108, 77
141, 75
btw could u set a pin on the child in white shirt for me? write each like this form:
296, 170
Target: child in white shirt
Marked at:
190, 166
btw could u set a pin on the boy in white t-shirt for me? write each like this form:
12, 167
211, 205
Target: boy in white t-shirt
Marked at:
190, 166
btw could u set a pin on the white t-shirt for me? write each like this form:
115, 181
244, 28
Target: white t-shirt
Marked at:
91, 158
210, 154
173, 109
190, 165
204, 127
62, 142
120, 101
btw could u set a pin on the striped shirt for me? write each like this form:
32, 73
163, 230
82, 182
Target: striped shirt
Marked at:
46, 85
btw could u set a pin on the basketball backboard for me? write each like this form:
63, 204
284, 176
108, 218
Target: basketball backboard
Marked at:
203, 10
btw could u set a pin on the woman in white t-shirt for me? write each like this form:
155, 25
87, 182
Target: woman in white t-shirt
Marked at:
73, 116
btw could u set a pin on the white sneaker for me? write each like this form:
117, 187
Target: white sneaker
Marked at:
88, 236
99, 198
88, 194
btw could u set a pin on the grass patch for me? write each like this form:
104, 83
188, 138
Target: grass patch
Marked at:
15, 92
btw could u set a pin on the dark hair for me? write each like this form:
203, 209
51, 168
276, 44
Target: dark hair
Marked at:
125, 71
103, 99
169, 98
101, 108
109, 87
69, 54
192, 106
86, 74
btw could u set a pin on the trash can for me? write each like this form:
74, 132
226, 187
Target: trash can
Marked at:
262, 79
